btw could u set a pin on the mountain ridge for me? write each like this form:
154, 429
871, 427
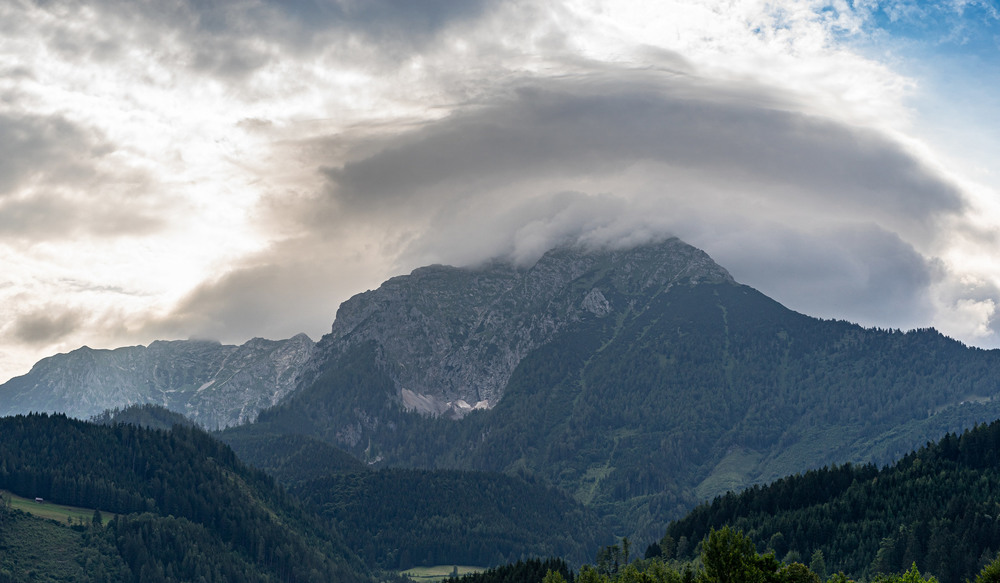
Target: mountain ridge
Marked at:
213, 384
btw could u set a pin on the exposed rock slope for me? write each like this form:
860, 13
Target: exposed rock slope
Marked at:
451, 337
213, 384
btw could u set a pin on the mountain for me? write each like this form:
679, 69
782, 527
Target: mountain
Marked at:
452, 337
639, 381
186, 508
936, 507
213, 384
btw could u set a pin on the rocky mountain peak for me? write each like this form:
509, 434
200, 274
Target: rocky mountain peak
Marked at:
452, 336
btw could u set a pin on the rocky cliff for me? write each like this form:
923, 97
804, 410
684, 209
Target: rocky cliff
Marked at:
213, 384
451, 337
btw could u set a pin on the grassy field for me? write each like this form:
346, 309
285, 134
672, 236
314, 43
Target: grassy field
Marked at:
438, 572
54, 511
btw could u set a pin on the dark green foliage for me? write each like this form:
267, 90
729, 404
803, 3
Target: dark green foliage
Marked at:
329, 409
203, 507
158, 548
290, 458
936, 508
35, 549
990, 573
727, 557
730, 557
911, 576
399, 518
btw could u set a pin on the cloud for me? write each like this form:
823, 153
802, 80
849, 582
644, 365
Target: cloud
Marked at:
59, 179
295, 286
46, 151
383, 21
47, 325
233, 39
54, 216
600, 126
264, 159
832, 219
676, 143
858, 271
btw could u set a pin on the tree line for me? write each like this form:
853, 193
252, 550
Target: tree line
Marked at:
938, 508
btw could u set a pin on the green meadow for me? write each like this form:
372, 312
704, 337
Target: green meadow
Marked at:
58, 512
438, 572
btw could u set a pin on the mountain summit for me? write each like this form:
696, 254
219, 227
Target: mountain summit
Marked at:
452, 337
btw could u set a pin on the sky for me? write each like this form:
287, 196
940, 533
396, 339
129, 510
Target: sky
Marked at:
231, 169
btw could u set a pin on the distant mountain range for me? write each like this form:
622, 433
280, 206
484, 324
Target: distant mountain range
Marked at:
639, 381
213, 384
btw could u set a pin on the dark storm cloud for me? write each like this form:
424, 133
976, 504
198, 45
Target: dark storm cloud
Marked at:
861, 271
295, 287
560, 128
46, 325
624, 158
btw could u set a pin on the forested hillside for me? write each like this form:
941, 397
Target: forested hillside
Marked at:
397, 518
187, 506
291, 458
938, 507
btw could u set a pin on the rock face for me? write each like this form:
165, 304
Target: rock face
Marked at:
213, 384
451, 337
